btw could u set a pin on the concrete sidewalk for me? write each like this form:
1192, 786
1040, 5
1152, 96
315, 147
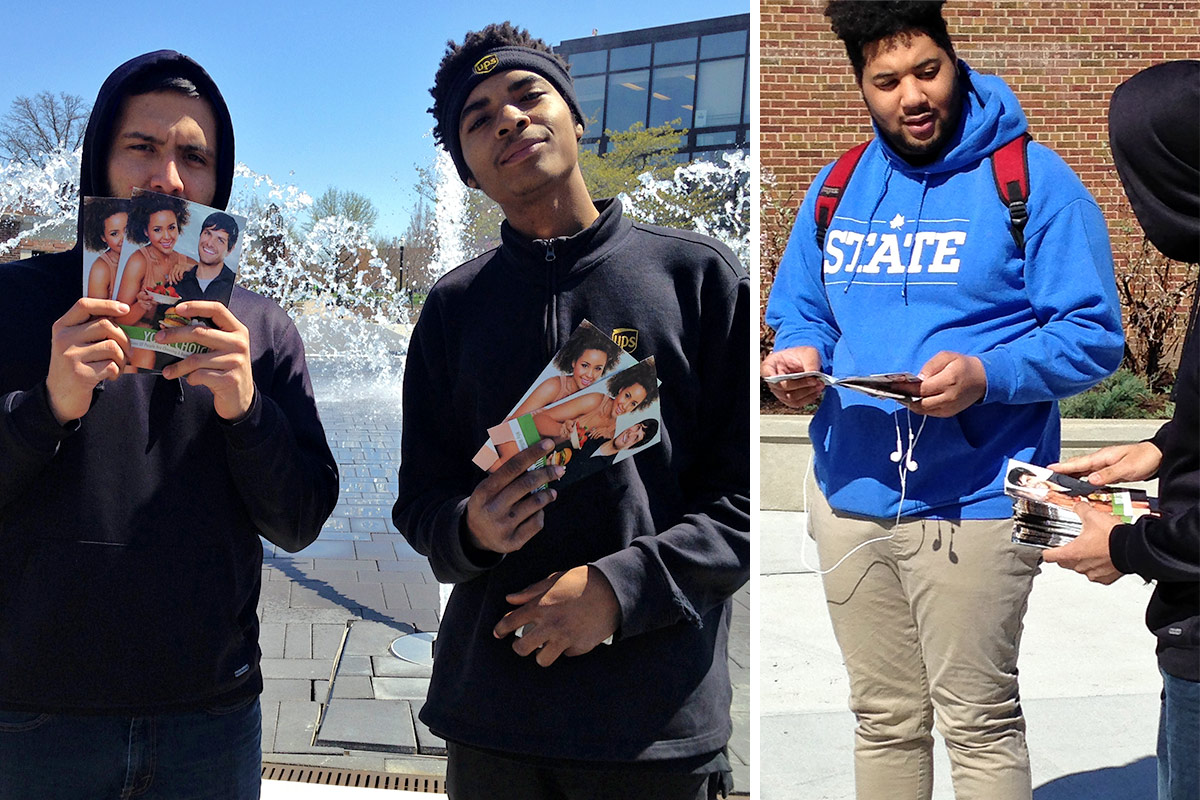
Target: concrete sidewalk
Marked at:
363, 572
1089, 684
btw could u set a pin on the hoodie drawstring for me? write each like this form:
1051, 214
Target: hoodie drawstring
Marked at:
917, 232
883, 189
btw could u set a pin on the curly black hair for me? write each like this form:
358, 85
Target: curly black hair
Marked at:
147, 203
859, 24
97, 211
475, 44
587, 338
642, 374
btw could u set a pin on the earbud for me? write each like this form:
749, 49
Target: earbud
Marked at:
910, 465
895, 457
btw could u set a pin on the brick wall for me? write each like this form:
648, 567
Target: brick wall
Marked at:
1063, 60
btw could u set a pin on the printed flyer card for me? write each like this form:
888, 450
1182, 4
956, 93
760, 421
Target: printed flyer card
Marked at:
593, 429
890, 385
152, 252
585, 358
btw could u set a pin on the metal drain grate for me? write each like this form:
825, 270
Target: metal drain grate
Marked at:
330, 776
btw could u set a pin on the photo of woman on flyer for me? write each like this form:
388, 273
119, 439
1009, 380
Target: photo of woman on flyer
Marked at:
104, 221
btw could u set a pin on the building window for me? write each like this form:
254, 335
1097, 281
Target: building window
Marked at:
588, 63
720, 137
719, 93
631, 57
590, 94
627, 95
673, 95
718, 45
675, 51
691, 75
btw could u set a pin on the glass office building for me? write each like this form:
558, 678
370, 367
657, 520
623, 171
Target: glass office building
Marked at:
694, 74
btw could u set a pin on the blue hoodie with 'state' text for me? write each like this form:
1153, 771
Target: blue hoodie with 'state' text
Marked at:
918, 260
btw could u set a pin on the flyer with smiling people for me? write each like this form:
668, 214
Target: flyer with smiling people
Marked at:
152, 252
593, 429
584, 359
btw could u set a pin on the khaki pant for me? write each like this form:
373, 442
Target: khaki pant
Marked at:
930, 621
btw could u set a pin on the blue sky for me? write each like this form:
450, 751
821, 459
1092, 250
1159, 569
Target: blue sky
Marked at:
321, 94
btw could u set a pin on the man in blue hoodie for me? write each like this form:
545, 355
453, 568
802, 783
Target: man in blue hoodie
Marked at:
920, 272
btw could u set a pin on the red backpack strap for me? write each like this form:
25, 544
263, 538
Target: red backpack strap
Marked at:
831, 190
1010, 167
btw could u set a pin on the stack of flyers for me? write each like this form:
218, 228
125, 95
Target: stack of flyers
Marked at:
598, 404
1044, 502
152, 252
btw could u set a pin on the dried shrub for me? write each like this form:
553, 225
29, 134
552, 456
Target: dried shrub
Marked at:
1155, 294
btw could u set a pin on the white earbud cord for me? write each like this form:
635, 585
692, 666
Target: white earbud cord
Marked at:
905, 464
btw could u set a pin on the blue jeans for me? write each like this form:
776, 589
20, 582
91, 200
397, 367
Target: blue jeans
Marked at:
1179, 740
214, 754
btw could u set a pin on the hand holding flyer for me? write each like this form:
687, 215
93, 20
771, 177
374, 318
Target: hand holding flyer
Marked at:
151, 252
590, 392
891, 385
592, 429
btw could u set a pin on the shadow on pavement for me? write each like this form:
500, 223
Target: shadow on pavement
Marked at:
1135, 781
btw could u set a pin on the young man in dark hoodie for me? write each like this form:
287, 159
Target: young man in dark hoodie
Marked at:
1154, 130
131, 507
648, 551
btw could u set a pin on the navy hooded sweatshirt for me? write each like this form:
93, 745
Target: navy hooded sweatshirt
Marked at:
1154, 129
130, 558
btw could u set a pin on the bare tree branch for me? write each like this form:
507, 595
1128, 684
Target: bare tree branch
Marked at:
344, 203
37, 125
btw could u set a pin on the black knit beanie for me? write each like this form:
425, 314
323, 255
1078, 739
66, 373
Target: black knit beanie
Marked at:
493, 62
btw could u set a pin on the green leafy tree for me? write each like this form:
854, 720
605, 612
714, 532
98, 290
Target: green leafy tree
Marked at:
631, 154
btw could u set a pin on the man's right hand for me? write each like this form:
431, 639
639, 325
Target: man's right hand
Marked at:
1114, 464
801, 391
86, 347
504, 512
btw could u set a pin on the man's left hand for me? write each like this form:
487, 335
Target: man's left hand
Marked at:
950, 382
568, 613
1088, 554
225, 368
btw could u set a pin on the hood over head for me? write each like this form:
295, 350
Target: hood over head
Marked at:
1154, 132
98, 138
991, 117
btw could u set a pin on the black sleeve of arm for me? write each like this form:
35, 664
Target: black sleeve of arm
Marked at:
278, 454
1159, 548
29, 439
435, 478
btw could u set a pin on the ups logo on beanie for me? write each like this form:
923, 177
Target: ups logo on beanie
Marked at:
486, 64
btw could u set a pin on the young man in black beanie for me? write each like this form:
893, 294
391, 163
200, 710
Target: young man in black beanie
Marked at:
649, 551
131, 505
